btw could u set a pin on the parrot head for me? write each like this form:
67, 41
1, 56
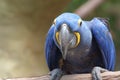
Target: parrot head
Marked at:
70, 33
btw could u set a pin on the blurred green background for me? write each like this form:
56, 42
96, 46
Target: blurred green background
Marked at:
23, 28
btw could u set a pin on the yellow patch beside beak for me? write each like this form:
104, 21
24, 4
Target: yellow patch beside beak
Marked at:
77, 38
57, 37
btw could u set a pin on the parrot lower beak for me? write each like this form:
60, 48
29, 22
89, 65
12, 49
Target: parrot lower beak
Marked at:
64, 52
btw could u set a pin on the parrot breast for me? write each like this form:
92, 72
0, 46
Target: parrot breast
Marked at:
83, 63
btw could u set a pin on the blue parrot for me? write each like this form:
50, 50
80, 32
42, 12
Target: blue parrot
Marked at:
75, 46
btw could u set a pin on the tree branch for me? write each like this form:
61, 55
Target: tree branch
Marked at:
105, 76
88, 7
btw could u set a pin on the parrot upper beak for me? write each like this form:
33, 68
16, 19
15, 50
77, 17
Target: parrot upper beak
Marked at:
65, 37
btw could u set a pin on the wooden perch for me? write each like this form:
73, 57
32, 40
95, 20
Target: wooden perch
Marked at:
105, 76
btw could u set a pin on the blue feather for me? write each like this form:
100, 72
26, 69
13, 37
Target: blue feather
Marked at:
53, 54
105, 42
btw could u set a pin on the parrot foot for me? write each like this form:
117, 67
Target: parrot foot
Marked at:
56, 74
96, 73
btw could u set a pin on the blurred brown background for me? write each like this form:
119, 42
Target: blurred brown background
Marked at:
23, 28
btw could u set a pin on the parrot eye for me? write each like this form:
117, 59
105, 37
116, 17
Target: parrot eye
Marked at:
57, 37
77, 38
79, 22
54, 22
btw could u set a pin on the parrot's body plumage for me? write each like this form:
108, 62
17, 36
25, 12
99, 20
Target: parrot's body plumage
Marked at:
80, 45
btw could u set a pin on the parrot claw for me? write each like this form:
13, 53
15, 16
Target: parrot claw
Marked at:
56, 74
96, 73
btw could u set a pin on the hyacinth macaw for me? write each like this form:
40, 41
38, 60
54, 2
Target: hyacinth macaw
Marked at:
76, 46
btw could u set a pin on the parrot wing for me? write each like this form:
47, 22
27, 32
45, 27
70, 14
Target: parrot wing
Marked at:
104, 40
53, 54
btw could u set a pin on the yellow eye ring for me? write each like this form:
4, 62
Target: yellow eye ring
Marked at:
54, 22
77, 38
57, 37
79, 22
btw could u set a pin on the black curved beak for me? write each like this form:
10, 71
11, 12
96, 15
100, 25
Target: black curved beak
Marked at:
65, 37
